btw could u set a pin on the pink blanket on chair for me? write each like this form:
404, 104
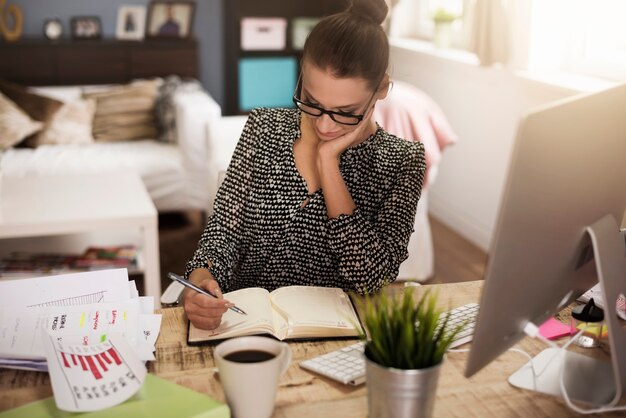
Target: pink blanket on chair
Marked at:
409, 113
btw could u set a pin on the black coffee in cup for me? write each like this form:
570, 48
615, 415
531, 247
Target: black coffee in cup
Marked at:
249, 356
250, 368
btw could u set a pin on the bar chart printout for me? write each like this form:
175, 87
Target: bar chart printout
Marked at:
93, 377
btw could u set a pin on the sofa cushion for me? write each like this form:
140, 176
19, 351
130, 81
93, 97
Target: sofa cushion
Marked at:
71, 124
125, 112
60, 93
160, 165
38, 107
15, 124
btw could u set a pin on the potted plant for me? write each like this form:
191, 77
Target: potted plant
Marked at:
404, 352
443, 27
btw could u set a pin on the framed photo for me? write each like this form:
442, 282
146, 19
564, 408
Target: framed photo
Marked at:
86, 27
131, 23
170, 19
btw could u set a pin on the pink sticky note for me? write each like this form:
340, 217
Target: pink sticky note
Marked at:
553, 329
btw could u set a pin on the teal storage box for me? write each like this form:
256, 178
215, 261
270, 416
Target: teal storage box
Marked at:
267, 82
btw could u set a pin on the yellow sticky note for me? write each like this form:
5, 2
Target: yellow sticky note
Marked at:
593, 329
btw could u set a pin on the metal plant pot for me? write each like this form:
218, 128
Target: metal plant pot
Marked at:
397, 393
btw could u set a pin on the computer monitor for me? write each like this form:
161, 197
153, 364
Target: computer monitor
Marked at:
567, 173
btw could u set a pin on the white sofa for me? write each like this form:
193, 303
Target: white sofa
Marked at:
175, 175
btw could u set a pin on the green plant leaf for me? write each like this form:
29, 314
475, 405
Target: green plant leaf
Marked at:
404, 331
442, 15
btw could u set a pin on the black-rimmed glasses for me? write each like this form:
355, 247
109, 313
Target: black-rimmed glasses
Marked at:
339, 117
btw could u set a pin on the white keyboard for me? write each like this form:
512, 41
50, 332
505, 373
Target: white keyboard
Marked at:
347, 365
466, 313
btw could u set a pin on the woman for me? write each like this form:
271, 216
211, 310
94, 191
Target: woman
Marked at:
317, 195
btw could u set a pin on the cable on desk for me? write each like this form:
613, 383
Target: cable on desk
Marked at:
530, 331
533, 331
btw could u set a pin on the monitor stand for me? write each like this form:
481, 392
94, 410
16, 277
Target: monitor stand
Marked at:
588, 380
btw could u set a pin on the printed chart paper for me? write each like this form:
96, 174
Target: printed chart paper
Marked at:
83, 324
91, 378
66, 289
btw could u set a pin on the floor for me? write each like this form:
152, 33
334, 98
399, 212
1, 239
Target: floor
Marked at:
456, 259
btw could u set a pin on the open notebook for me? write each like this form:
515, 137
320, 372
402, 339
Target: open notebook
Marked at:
286, 313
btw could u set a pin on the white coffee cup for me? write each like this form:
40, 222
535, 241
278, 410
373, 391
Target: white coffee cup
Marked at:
250, 387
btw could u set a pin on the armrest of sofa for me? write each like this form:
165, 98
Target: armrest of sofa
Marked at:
223, 135
194, 111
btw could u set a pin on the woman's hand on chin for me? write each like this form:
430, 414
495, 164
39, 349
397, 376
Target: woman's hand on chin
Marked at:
332, 149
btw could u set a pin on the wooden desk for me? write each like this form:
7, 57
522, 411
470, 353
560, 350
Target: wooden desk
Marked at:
302, 394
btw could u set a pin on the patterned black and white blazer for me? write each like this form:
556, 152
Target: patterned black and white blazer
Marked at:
260, 235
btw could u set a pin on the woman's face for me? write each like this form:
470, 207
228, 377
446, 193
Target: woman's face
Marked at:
348, 95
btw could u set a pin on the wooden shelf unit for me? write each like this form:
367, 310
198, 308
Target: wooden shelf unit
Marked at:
38, 62
235, 10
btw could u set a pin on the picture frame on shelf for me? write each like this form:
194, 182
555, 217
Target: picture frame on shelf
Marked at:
86, 27
170, 19
131, 23
300, 29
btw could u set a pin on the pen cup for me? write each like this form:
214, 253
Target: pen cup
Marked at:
250, 368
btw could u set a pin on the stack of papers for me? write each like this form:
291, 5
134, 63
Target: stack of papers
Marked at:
79, 309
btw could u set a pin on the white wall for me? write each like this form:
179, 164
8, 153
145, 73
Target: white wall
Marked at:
483, 105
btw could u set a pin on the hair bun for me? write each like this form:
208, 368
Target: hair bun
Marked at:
372, 10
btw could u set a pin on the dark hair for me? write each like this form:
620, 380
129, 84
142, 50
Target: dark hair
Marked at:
351, 43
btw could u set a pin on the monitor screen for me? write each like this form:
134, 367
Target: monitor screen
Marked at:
568, 171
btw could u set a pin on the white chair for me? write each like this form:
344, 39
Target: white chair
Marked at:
409, 113
223, 135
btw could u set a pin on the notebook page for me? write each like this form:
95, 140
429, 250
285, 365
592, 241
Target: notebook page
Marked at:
321, 307
255, 302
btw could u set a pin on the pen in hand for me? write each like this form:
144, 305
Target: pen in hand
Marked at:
198, 289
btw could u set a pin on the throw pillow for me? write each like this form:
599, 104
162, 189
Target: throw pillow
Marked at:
37, 107
15, 124
62, 93
125, 112
165, 108
72, 124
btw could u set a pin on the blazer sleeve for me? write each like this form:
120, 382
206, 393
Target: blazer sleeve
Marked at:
218, 246
371, 249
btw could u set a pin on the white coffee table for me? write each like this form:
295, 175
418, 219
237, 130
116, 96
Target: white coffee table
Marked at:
44, 206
